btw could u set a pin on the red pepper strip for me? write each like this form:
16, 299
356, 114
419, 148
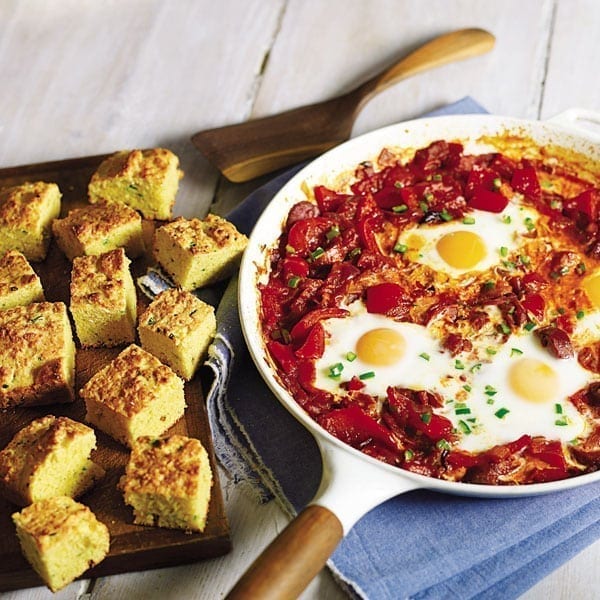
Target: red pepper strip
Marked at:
383, 297
353, 426
434, 426
314, 345
366, 231
353, 385
525, 181
328, 200
283, 355
301, 329
588, 202
306, 235
535, 305
551, 454
483, 199
294, 266
460, 459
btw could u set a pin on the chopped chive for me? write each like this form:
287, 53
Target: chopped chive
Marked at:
400, 248
354, 252
503, 251
428, 197
350, 356
554, 204
515, 352
501, 413
468, 221
423, 206
437, 177
529, 326
504, 328
290, 249
507, 219
489, 285
580, 314
463, 411
529, 224
490, 401
509, 264
476, 367
467, 388
367, 375
399, 208
424, 356
408, 454
336, 370
458, 364
490, 390
445, 215
464, 427
398, 184
491, 351
426, 418
317, 252
561, 422
580, 268
558, 409
497, 183
293, 281
333, 233
525, 260
442, 444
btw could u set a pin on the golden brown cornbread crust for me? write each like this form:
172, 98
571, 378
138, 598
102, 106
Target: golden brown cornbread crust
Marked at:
90, 229
19, 283
167, 482
32, 447
38, 355
146, 180
50, 530
98, 279
129, 382
26, 213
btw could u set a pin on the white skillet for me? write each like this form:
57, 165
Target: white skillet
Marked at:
353, 483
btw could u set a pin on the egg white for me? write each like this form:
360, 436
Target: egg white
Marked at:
497, 231
498, 414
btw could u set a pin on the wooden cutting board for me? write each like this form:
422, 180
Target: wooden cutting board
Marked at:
133, 547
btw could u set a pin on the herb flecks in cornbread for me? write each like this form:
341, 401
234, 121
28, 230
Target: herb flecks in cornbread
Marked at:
38, 355
177, 328
26, 214
134, 395
196, 252
19, 283
103, 299
168, 482
146, 180
98, 228
61, 539
49, 457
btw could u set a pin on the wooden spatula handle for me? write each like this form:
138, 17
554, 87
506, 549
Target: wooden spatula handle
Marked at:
293, 559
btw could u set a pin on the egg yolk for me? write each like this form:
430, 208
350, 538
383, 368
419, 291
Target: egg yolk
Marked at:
381, 346
591, 285
461, 249
533, 380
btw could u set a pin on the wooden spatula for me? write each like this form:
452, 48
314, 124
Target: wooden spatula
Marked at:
246, 150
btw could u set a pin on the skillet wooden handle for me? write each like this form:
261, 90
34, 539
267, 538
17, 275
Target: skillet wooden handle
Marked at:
293, 559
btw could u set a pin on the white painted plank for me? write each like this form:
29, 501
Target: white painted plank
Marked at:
572, 79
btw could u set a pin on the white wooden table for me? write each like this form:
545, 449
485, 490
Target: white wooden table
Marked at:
84, 77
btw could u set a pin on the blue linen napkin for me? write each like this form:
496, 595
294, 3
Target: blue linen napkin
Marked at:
421, 544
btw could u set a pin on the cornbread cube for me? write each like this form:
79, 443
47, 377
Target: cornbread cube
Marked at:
49, 457
61, 539
26, 213
146, 180
196, 253
134, 395
103, 299
167, 481
19, 283
177, 328
37, 353
98, 228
